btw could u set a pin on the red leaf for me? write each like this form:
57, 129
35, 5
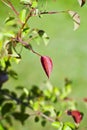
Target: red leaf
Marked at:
77, 116
47, 65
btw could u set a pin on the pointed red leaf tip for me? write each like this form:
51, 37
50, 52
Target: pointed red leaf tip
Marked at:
77, 116
47, 65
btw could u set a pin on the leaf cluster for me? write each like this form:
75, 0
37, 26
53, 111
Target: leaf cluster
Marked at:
21, 34
45, 102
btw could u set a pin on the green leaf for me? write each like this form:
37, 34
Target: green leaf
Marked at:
26, 91
23, 96
34, 4
6, 108
70, 125
36, 119
44, 36
59, 113
49, 108
36, 91
9, 19
2, 99
11, 22
12, 52
68, 89
25, 32
36, 105
8, 120
41, 33
47, 113
66, 127
9, 47
22, 117
23, 15
1, 127
2, 62
6, 91
56, 91
43, 123
16, 58
56, 124
13, 74
22, 108
8, 34
26, 29
25, 1
0, 44
65, 91
45, 39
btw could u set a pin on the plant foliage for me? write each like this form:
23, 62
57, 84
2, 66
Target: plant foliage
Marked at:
39, 101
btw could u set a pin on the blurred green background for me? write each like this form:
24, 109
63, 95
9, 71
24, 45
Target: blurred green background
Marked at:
66, 47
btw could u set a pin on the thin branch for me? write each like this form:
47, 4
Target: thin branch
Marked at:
38, 113
13, 8
27, 18
26, 104
6, 3
41, 13
14, 98
9, 4
26, 45
47, 117
23, 24
52, 12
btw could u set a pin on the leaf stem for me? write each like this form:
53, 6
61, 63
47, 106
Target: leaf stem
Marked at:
47, 117
13, 8
23, 24
52, 12
26, 45
27, 18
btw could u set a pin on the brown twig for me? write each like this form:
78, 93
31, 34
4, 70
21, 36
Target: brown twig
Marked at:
23, 24
52, 12
7, 2
13, 8
26, 45
27, 18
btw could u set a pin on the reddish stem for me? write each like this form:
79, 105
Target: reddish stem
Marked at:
26, 45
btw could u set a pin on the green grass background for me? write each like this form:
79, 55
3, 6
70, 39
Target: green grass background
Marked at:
67, 48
